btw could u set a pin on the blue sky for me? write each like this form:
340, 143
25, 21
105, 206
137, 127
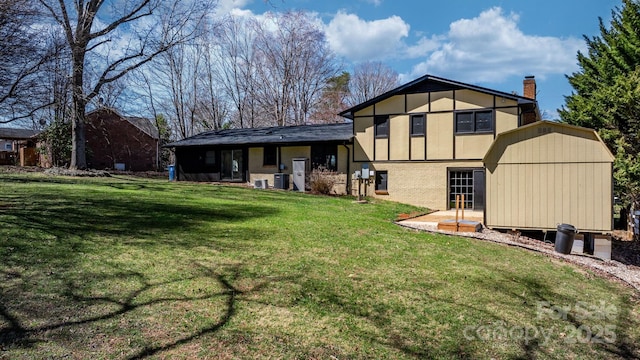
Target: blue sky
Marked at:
488, 43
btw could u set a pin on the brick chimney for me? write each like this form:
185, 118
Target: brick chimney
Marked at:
529, 91
529, 85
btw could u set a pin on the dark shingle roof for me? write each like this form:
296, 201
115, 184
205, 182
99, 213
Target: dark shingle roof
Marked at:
17, 134
272, 135
144, 124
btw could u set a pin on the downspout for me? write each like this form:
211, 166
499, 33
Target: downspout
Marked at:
348, 182
279, 169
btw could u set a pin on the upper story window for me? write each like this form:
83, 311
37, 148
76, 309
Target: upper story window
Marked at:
470, 122
417, 125
382, 126
270, 156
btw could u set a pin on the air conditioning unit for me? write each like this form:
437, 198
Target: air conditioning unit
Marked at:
261, 184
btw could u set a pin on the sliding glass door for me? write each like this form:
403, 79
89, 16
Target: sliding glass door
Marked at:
232, 165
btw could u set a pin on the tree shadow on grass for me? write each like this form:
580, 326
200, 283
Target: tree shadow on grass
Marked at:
49, 224
148, 296
569, 321
46, 229
392, 331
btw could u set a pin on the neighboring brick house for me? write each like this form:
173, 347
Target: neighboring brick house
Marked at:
121, 142
18, 147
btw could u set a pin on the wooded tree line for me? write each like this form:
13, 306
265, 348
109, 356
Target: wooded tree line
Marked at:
174, 62
606, 95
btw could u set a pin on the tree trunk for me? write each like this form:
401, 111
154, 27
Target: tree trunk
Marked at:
78, 138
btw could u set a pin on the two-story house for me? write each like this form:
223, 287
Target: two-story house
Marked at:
425, 140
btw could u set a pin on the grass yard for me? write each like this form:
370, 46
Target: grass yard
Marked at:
126, 268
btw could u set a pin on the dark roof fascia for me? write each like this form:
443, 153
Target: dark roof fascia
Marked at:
256, 144
268, 136
403, 89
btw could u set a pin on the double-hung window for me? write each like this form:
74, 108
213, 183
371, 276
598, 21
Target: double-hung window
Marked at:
382, 126
417, 125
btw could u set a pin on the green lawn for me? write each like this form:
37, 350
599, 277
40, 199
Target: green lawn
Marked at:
128, 268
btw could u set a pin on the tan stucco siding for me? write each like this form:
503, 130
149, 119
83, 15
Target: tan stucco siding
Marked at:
392, 105
440, 136
288, 153
442, 101
399, 138
363, 142
418, 103
382, 149
440, 127
418, 183
368, 111
540, 196
468, 99
506, 119
256, 158
472, 146
344, 159
418, 148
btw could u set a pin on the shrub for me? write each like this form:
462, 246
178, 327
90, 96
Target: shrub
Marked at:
322, 180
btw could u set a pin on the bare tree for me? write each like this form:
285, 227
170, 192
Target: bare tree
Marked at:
23, 56
369, 80
236, 66
152, 28
295, 64
333, 100
211, 108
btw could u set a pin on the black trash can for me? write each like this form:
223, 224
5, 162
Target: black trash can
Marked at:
564, 238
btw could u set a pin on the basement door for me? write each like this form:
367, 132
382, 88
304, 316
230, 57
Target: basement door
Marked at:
471, 184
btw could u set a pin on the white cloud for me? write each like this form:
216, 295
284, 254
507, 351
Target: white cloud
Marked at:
491, 48
374, 2
423, 47
360, 40
233, 7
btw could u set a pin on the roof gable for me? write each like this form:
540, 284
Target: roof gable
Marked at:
143, 124
430, 83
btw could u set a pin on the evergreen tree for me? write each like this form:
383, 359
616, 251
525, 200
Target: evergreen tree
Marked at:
606, 95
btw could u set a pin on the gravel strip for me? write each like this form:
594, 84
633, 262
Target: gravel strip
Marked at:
612, 269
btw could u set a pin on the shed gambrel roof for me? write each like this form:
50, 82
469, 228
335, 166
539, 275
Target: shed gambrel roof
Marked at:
430, 83
279, 135
558, 148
